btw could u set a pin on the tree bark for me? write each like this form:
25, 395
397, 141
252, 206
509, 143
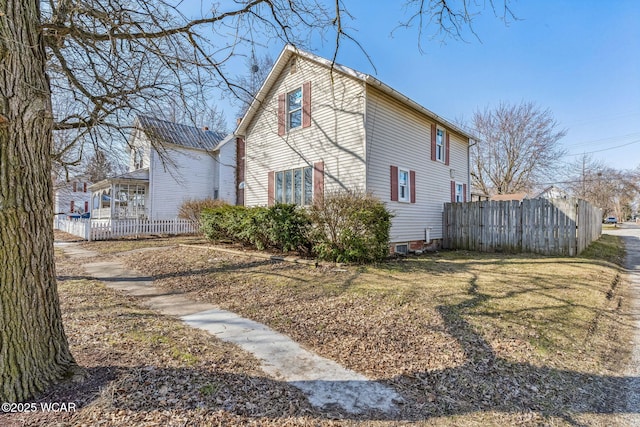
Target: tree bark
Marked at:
33, 347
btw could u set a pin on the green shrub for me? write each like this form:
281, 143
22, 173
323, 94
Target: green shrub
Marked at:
220, 223
346, 227
282, 227
351, 226
288, 228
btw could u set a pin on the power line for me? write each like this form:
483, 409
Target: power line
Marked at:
604, 149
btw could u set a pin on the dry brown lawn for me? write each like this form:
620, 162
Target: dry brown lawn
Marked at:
466, 338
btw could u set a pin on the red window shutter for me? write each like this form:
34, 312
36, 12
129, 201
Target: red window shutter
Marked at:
306, 105
464, 192
73, 206
75, 187
412, 185
433, 142
453, 191
84, 187
270, 188
394, 183
282, 123
446, 150
86, 206
318, 182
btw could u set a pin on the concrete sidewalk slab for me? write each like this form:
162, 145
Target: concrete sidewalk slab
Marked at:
325, 383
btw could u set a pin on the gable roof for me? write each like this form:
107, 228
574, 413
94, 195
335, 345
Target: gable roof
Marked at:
177, 134
290, 50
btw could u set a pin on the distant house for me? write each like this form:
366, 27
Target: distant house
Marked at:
510, 197
169, 163
72, 197
316, 126
552, 192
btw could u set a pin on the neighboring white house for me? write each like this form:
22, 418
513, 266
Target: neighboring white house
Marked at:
552, 192
316, 126
72, 197
169, 163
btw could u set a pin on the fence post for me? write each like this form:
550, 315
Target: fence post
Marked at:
87, 230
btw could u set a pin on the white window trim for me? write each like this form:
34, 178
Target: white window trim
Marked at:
461, 185
443, 154
293, 196
407, 198
288, 111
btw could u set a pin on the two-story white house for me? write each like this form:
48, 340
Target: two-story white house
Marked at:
316, 126
169, 163
72, 197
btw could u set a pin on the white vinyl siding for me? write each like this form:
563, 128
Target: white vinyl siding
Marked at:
64, 196
336, 134
189, 174
227, 165
399, 135
140, 151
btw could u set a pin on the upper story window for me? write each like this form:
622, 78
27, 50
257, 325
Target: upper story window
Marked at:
294, 108
440, 145
138, 156
403, 185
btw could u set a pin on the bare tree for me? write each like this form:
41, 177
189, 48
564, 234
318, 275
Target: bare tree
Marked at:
112, 59
518, 147
258, 70
98, 166
615, 191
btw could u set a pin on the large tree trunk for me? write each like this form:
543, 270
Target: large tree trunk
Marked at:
33, 347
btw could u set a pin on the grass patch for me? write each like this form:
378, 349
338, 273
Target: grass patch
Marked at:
465, 337
608, 248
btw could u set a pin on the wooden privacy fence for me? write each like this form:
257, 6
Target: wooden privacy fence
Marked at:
105, 229
543, 226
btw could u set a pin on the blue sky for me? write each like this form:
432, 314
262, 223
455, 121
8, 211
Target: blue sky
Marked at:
579, 58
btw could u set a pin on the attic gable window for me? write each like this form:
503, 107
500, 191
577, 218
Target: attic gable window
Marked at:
294, 109
138, 156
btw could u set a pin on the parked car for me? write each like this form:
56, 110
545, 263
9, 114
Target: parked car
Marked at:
78, 216
611, 220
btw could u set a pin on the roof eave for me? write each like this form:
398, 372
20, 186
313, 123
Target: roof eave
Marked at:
370, 80
290, 50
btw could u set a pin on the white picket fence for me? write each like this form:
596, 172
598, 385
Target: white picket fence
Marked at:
106, 229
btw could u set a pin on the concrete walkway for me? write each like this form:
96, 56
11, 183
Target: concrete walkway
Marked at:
325, 383
630, 234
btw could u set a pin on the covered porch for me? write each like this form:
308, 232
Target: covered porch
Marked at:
121, 197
